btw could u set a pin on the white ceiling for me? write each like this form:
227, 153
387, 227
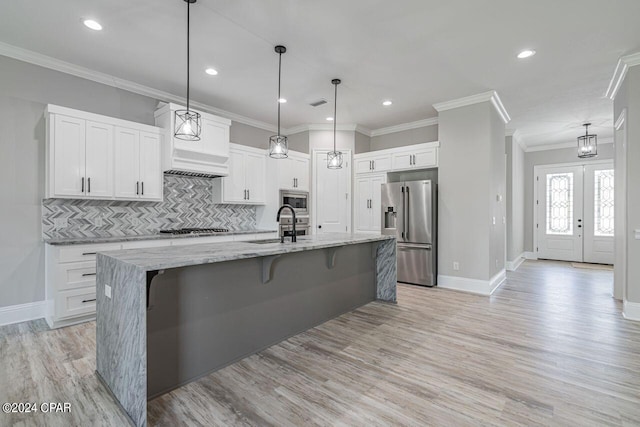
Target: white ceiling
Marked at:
415, 52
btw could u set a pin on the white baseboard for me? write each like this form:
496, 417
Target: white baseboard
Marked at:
631, 310
513, 265
474, 286
22, 312
530, 255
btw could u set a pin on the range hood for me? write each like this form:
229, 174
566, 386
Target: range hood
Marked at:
207, 158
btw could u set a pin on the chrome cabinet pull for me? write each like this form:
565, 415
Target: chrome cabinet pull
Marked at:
248, 195
84, 301
142, 188
89, 253
82, 189
88, 185
137, 187
88, 274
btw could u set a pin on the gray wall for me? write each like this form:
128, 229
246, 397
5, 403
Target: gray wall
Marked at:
464, 208
362, 143
25, 90
515, 199
548, 157
407, 137
497, 193
299, 142
259, 138
629, 97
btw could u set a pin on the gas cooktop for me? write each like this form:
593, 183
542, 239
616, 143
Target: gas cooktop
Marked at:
195, 230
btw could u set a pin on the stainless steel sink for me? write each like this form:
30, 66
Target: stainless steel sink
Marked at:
265, 241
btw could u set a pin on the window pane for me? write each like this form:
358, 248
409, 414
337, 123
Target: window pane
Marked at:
560, 203
603, 203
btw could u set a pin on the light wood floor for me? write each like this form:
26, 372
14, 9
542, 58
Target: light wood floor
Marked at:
548, 348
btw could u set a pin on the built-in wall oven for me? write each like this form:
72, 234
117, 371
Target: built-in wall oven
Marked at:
299, 200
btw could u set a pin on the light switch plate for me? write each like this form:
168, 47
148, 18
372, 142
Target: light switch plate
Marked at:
493, 219
456, 266
107, 291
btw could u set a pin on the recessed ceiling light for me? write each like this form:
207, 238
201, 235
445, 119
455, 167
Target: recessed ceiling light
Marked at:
387, 103
211, 71
282, 100
526, 54
94, 25
330, 119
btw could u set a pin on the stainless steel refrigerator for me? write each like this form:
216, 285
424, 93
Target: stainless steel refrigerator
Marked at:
409, 212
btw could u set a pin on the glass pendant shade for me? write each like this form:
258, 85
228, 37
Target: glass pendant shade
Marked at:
587, 144
334, 160
187, 125
278, 147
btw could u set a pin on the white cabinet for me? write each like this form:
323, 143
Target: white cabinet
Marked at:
97, 157
368, 203
373, 164
417, 158
138, 165
80, 160
209, 155
245, 183
293, 172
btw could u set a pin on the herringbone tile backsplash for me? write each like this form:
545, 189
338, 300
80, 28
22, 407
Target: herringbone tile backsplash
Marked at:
187, 203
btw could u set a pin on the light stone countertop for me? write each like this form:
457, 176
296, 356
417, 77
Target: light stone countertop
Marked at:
151, 259
158, 236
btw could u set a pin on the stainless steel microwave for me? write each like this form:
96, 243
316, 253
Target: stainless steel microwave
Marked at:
298, 199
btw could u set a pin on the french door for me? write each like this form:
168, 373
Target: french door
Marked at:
575, 210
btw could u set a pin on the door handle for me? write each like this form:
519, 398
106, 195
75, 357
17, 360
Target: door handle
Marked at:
88, 185
82, 189
406, 214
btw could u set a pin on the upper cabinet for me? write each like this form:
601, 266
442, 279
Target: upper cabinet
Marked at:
209, 155
373, 163
293, 172
245, 183
90, 156
419, 156
415, 157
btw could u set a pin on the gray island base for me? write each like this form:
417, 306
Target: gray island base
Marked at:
178, 313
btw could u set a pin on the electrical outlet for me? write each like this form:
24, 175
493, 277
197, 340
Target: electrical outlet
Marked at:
60, 223
456, 265
107, 291
493, 220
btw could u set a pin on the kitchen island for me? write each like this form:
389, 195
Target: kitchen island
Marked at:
167, 316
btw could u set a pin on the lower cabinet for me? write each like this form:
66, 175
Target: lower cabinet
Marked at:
71, 274
368, 204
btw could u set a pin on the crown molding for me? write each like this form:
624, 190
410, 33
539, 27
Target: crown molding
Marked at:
405, 126
620, 72
349, 127
491, 95
516, 137
560, 145
51, 63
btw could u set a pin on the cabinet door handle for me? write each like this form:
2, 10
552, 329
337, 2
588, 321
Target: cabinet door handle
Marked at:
373, 165
248, 195
82, 189
142, 187
137, 187
88, 185
88, 274
88, 300
89, 253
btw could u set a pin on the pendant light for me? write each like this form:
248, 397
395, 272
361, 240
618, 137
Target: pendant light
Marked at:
187, 123
278, 146
587, 144
334, 158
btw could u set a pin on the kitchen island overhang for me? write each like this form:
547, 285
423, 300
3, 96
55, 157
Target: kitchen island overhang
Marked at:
178, 313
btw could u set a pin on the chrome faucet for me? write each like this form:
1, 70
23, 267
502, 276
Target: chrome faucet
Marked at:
293, 233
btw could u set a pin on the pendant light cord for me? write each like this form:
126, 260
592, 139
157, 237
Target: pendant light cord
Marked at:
279, 80
335, 114
188, 50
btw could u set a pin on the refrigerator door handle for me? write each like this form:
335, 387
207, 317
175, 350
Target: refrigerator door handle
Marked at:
406, 214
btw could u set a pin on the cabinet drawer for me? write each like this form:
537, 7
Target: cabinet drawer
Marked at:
85, 252
76, 275
76, 302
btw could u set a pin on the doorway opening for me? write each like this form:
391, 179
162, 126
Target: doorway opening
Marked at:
574, 212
